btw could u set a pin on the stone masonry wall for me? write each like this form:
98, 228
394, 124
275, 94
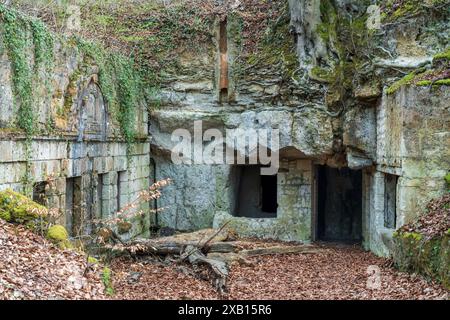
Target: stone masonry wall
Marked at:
76, 150
413, 137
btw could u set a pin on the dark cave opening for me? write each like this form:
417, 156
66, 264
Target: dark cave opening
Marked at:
339, 204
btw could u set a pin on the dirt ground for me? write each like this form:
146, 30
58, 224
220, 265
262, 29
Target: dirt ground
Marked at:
33, 268
336, 272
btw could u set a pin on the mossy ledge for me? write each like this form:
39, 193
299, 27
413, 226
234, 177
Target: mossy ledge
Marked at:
438, 75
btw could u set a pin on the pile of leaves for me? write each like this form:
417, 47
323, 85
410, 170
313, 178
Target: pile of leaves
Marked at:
436, 222
33, 268
336, 272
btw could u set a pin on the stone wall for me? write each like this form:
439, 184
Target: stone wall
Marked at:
413, 138
76, 149
293, 221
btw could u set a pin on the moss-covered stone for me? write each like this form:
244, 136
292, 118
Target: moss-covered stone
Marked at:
57, 233
429, 257
15, 207
59, 236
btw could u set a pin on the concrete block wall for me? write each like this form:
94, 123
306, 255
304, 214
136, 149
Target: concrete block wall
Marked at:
413, 137
293, 221
56, 161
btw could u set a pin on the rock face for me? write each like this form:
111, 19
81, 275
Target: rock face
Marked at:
322, 120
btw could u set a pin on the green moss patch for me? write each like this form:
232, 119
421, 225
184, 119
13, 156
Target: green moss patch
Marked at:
422, 77
59, 236
442, 57
17, 208
107, 281
57, 233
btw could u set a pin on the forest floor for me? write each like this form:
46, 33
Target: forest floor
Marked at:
33, 268
335, 272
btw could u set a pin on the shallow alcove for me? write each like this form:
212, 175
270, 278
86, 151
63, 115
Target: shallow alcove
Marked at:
255, 194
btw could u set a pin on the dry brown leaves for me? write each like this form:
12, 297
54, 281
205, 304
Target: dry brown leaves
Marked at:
337, 272
437, 220
158, 282
32, 268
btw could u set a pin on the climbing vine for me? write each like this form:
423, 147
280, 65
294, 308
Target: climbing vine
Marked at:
21, 34
17, 43
120, 82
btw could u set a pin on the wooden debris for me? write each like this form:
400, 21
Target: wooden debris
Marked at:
212, 248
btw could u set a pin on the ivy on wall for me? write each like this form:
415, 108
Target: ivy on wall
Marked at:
20, 34
17, 43
30, 48
119, 78
120, 82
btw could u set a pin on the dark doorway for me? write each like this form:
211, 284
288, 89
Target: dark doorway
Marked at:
74, 209
256, 194
40, 193
339, 204
269, 194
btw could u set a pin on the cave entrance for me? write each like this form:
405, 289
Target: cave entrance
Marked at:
256, 194
339, 204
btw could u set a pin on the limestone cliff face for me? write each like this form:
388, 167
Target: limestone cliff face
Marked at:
326, 108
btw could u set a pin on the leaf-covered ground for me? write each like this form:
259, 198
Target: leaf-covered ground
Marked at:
436, 221
337, 272
32, 268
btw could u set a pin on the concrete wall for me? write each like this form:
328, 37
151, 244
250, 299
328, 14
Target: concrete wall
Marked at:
293, 221
413, 137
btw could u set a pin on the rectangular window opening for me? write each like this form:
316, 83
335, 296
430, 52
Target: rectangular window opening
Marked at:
256, 194
223, 51
121, 180
100, 182
390, 201
74, 216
